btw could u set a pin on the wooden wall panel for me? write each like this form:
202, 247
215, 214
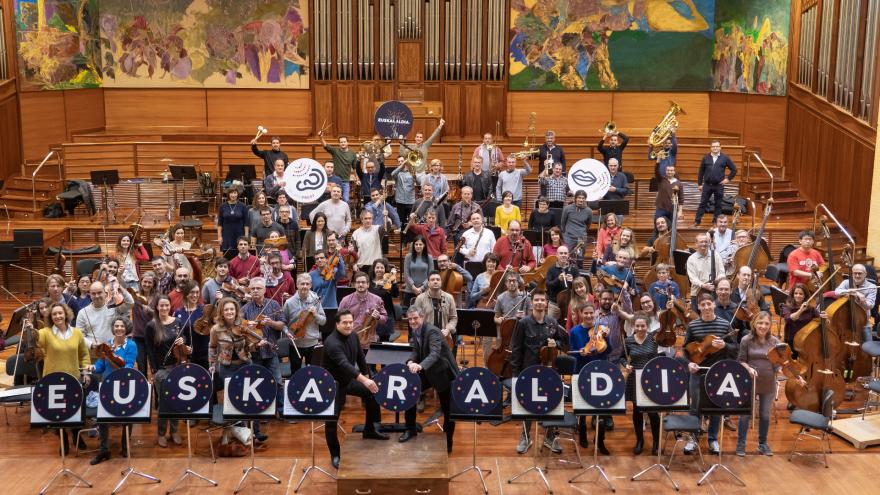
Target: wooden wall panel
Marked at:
138, 108
346, 106
473, 126
760, 121
409, 61
42, 122
282, 112
573, 114
83, 110
323, 98
492, 110
10, 136
638, 113
453, 110
830, 159
365, 107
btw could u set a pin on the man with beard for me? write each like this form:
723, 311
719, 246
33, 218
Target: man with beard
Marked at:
271, 155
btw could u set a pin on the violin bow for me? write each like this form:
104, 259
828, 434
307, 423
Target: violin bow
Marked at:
18, 347
179, 333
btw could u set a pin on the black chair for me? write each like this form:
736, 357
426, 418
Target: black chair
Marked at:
87, 266
688, 426
809, 420
24, 398
871, 347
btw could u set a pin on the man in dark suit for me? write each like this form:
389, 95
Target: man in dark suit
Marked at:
433, 361
344, 360
711, 179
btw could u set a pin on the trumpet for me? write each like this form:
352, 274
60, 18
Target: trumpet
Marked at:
261, 131
525, 154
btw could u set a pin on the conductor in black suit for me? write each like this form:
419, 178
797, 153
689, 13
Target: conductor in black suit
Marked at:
433, 361
344, 359
711, 179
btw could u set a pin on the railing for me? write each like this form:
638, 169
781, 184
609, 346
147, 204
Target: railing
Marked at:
749, 155
34, 176
840, 226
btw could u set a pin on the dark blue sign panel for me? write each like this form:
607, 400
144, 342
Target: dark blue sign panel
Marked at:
186, 392
729, 385
124, 396
399, 388
538, 391
310, 394
250, 393
476, 392
57, 399
393, 120
662, 383
600, 386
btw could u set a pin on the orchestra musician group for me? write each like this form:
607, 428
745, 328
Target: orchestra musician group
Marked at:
572, 297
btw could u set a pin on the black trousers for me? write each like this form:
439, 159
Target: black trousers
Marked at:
373, 415
305, 360
710, 190
448, 425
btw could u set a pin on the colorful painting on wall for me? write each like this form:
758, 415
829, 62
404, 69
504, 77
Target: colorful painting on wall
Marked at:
58, 46
638, 45
751, 46
205, 43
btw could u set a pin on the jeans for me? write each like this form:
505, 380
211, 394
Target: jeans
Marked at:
695, 389
346, 187
765, 404
710, 190
162, 424
373, 415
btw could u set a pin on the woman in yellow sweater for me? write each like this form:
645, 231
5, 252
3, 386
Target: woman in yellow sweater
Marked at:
506, 211
65, 348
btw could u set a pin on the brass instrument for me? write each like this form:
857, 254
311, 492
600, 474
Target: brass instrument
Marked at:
609, 130
665, 129
415, 159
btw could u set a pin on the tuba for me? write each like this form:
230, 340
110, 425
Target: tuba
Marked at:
664, 129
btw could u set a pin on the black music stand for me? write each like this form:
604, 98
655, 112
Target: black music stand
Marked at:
680, 260
480, 321
183, 173
105, 178
617, 206
192, 209
474, 268
455, 414
537, 238
661, 410
28, 239
341, 292
385, 353
707, 408
246, 174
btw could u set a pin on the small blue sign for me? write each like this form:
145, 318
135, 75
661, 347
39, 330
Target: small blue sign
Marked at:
539, 389
601, 384
251, 390
399, 388
664, 380
729, 385
56, 398
123, 394
476, 391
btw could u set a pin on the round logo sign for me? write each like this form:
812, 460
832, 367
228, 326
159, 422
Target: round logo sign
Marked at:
311, 390
539, 389
729, 384
252, 389
476, 391
124, 392
399, 388
664, 380
304, 180
57, 396
393, 120
186, 389
601, 384
591, 176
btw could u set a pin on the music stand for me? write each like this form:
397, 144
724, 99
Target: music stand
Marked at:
28, 239
182, 173
617, 206
192, 209
105, 178
244, 173
64, 470
707, 408
481, 321
385, 353
455, 414
679, 260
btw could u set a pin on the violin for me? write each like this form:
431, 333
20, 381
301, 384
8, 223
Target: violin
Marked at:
235, 289
390, 278
368, 329
180, 353
203, 325
748, 308
330, 268
780, 357
104, 351
548, 355
60, 260
700, 350
298, 328
608, 280
34, 352
252, 337
597, 343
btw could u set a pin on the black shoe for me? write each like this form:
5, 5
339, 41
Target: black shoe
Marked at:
637, 450
654, 448
101, 457
261, 437
335, 461
603, 450
407, 436
375, 435
584, 443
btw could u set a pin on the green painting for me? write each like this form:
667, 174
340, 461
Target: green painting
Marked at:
636, 45
205, 43
58, 46
751, 46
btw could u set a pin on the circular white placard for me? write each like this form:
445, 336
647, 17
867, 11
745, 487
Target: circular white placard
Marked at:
305, 180
591, 176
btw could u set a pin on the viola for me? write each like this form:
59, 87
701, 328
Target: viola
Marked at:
180, 353
34, 352
330, 268
547, 355
203, 325
104, 351
608, 280
298, 327
597, 343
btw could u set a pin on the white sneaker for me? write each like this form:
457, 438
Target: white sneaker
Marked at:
690, 446
714, 449
524, 444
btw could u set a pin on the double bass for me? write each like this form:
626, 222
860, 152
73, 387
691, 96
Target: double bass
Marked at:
665, 247
750, 306
755, 255
848, 319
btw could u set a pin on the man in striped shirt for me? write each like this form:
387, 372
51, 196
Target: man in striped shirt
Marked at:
708, 324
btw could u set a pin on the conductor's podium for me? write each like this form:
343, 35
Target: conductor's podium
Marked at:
390, 467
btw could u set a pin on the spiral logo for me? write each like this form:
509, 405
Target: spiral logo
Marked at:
314, 180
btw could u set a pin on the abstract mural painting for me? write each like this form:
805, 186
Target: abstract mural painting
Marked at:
58, 46
638, 45
751, 46
205, 43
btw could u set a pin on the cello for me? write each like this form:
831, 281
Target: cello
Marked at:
755, 255
665, 247
750, 306
848, 319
